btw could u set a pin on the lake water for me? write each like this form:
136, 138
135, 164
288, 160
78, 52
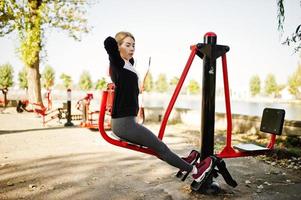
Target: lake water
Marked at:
293, 111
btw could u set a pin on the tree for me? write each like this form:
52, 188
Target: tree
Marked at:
6, 76
67, 81
22, 77
271, 85
6, 79
295, 38
101, 84
193, 87
149, 83
161, 83
30, 19
48, 77
294, 83
255, 85
85, 82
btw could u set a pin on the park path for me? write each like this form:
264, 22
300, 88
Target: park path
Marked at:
54, 162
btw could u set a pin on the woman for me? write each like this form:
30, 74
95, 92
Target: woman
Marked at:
125, 108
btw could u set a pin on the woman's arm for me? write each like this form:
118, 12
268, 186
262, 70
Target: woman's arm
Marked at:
114, 55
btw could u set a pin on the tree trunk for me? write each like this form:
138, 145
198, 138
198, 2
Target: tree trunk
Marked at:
33, 63
4, 91
5, 99
34, 83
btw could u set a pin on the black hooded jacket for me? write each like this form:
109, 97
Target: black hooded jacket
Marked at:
126, 82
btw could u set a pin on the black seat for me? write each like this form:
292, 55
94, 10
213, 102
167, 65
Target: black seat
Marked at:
271, 122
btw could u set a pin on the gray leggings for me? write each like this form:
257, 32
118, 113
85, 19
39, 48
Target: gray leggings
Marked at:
128, 129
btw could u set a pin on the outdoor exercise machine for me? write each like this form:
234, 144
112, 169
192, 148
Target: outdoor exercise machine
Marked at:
3, 102
48, 114
39, 108
272, 119
209, 51
88, 117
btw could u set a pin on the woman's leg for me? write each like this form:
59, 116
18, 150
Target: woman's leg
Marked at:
127, 128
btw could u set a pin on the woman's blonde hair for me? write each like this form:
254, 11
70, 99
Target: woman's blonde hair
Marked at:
120, 36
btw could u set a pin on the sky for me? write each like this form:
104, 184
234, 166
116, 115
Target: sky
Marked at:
165, 30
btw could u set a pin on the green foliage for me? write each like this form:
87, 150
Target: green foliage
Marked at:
31, 19
6, 76
149, 83
101, 84
294, 83
161, 83
193, 87
67, 81
255, 85
22, 77
271, 85
85, 82
48, 77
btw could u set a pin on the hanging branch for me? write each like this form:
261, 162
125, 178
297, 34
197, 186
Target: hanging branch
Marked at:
295, 38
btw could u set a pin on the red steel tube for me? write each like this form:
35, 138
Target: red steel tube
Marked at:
176, 92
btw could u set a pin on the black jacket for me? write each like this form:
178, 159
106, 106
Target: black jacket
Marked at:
126, 82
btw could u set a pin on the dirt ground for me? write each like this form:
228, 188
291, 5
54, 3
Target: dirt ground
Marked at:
55, 162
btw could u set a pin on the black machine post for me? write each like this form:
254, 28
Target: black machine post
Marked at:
69, 116
208, 97
209, 51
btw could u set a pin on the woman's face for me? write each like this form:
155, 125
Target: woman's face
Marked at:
127, 48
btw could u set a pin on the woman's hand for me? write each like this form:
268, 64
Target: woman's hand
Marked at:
110, 44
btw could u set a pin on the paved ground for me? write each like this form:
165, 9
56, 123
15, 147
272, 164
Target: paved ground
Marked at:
54, 162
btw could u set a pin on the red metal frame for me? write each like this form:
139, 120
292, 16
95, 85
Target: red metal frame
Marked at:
89, 121
228, 151
90, 124
41, 110
38, 108
109, 139
1, 102
177, 91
